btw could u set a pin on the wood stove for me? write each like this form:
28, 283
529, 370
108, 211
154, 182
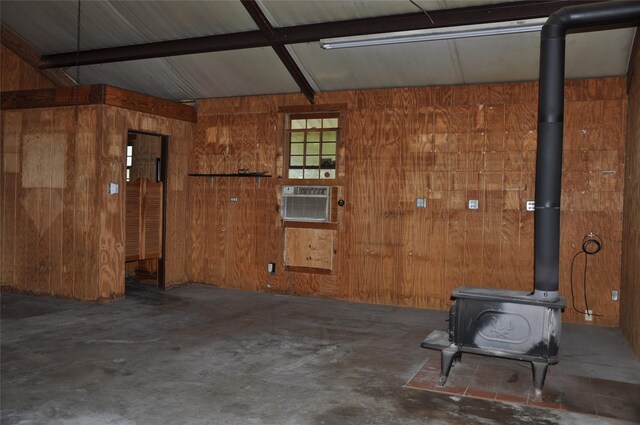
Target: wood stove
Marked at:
516, 324
500, 323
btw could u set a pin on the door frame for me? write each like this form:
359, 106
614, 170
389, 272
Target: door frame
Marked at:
164, 177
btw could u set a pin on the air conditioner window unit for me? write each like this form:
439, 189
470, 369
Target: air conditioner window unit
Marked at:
305, 203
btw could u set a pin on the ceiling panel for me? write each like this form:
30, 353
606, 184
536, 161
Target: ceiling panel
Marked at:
464, 61
599, 54
296, 12
381, 66
516, 57
50, 26
222, 74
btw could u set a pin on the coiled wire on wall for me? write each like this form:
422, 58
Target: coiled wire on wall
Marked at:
591, 245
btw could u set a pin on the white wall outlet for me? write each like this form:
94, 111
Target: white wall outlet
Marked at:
588, 315
421, 202
531, 205
615, 295
473, 204
234, 199
113, 188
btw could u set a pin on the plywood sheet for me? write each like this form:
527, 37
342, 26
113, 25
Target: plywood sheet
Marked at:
311, 248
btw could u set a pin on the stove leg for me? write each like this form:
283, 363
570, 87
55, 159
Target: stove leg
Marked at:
539, 374
447, 355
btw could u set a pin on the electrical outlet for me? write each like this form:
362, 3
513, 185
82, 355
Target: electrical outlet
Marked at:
234, 199
271, 268
421, 202
473, 204
588, 315
531, 205
615, 295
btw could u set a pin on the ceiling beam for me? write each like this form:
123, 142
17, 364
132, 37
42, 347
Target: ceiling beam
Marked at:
266, 28
528, 9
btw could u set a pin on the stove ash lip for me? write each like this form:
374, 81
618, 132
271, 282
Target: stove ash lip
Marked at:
590, 17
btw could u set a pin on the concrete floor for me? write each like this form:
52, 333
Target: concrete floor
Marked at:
202, 355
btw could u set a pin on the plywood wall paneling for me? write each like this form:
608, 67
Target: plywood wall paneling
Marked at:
630, 285
449, 144
19, 75
87, 222
11, 127
19, 62
63, 234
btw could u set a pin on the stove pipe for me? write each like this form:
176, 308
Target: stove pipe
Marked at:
550, 125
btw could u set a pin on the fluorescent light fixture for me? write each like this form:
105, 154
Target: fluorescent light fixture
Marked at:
448, 33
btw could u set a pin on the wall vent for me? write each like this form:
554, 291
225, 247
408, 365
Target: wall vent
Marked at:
305, 203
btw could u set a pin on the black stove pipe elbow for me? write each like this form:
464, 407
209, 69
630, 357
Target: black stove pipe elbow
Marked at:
550, 127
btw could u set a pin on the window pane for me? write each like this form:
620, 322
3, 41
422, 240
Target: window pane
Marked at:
330, 122
311, 174
296, 124
314, 123
329, 136
313, 161
295, 174
329, 148
296, 161
328, 162
297, 136
313, 136
328, 174
313, 148
297, 149
129, 161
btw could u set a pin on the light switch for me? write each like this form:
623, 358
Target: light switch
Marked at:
113, 188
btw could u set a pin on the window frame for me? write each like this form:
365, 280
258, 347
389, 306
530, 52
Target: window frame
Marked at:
290, 117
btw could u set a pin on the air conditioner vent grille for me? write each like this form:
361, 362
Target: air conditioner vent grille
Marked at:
305, 203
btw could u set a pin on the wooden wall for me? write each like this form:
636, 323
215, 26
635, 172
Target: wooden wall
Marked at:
62, 233
16, 74
448, 144
630, 288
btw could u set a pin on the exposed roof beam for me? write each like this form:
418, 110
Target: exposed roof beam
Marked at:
312, 32
267, 30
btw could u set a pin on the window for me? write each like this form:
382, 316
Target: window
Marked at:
312, 142
129, 160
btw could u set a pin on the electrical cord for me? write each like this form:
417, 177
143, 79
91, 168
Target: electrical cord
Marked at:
591, 245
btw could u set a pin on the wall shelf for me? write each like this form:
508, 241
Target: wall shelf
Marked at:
254, 174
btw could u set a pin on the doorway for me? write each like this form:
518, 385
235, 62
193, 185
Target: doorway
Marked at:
145, 207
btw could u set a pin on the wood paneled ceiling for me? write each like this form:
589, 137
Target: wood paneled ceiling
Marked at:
271, 46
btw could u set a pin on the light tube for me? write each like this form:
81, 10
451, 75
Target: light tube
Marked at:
448, 33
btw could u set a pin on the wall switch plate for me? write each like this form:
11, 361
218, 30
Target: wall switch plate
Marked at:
421, 202
615, 295
113, 188
473, 204
271, 268
531, 205
588, 315
234, 199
